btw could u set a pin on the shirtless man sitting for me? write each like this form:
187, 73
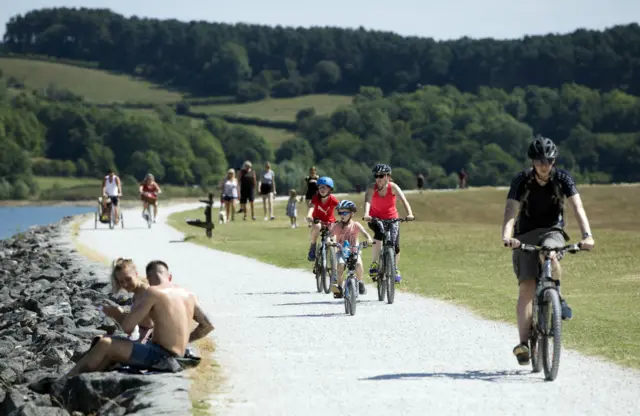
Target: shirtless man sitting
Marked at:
169, 306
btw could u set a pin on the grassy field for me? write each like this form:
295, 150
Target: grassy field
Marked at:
281, 109
95, 85
453, 252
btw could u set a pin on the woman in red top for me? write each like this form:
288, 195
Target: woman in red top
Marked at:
149, 191
321, 207
380, 202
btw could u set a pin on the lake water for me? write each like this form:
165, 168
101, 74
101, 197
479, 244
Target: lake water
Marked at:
17, 219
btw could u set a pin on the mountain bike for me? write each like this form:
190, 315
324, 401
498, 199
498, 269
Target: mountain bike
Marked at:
350, 289
387, 262
325, 256
547, 313
147, 213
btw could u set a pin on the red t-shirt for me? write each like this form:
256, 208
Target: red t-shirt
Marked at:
324, 211
152, 188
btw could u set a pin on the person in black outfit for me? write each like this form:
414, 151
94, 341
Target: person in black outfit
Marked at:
248, 184
537, 198
420, 181
311, 184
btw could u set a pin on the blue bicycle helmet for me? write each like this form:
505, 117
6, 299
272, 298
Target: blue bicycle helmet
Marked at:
325, 180
345, 204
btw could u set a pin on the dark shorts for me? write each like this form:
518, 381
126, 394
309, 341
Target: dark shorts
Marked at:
247, 196
526, 265
228, 198
146, 355
114, 200
379, 235
266, 189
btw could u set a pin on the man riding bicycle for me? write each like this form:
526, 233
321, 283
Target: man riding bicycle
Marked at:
537, 198
149, 191
111, 191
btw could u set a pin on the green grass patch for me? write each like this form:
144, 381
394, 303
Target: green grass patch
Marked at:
453, 252
280, 109
93, 84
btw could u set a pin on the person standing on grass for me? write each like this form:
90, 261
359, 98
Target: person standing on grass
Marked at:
537, 197
268, 190
420, 181
248, 185
311, 186
230, 194
292, 211
462, 177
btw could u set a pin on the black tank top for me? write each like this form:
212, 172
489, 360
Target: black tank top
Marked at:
247, 179
312, 186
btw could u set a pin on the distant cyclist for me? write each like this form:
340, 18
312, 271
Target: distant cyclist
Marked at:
537, 197
149, 191
380, 202
321, 207
111, 191
347, 229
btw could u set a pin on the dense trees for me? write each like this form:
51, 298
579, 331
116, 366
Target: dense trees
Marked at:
425, 106
253, 60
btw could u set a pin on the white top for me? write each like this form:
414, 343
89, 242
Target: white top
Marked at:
267, 177
111, 187
231, 188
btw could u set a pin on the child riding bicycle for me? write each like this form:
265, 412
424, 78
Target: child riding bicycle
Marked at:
380, 203
321, 207
149, 191
347, 230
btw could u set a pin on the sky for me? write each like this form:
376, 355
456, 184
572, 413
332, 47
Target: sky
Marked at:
443, 19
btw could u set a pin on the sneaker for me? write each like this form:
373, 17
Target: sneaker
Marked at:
521, 352
337, 291
312, 253
398, 276
567, 313
373, 271
362, 289
266, 218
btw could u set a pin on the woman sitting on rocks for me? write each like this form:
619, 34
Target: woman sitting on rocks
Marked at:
137, 286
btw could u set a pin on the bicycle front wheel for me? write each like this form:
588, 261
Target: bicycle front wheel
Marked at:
328, 271
319, 270
390, 272
350, 296
112, 217
551, 319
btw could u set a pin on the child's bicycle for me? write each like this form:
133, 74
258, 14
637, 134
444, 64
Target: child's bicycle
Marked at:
324, 268
350, 288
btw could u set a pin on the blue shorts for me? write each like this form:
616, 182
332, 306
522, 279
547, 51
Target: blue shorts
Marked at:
146, 355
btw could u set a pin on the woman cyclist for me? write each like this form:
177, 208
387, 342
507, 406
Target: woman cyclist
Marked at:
321, 207
347, 230
149, 191
380, 202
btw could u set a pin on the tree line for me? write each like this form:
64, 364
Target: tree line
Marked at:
255, 61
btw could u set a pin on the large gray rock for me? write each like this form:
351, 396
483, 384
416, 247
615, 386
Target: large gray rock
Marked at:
47, 320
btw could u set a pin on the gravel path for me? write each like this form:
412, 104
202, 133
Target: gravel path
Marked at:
288, 350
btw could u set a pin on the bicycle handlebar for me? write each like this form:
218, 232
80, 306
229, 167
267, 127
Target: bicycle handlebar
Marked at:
392, 220
530, 248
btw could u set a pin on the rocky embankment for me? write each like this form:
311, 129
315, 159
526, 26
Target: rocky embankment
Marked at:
47, 320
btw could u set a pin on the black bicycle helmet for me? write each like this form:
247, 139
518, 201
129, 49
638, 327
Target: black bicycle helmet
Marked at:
381, 168
542, 148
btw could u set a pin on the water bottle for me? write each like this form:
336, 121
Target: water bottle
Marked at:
346, 249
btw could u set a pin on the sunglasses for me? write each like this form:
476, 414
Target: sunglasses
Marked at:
344, 213
379, 176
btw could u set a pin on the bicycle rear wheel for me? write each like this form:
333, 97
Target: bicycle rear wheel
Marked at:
534, 348
390, 272
551, 319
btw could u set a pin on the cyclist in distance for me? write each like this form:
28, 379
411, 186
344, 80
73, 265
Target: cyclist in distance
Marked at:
111, 191
321, 207
348, 229
149, 191
380, 202
536, 197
